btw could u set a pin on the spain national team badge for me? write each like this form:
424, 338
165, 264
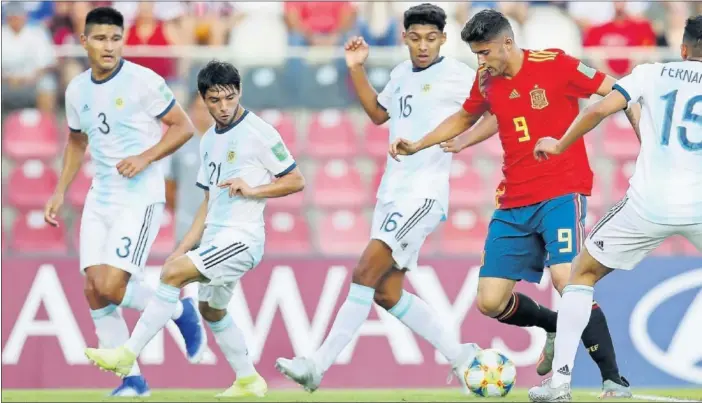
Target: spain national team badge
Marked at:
231, 156
119, 103
538, 98
426, 88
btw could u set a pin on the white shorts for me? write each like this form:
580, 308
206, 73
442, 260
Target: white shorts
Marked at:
119, 236
622, 238
223, 257
404, 225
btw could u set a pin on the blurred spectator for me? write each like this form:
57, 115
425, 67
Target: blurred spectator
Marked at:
210, 21
671, 32
543, 21
39, 12
167, 11
28, 60
149, 30
319, 23
623, 30
262, 20
66, 26
515, 10
378, 23
182, 197
589, 13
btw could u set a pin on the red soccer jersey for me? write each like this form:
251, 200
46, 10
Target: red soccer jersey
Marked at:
541, 100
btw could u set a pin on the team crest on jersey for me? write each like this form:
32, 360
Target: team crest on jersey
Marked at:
538, 98
426, 88
119, 103
231, 156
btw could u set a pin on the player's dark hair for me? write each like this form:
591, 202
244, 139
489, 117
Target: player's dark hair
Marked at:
425, 14
103, 16
218, 74
485, 26
693, 35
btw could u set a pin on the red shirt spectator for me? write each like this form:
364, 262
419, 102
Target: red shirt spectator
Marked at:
320, 17
147, 30
622, 31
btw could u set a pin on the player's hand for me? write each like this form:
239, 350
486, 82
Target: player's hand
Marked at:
546, 146
356, 51
402, 147
131, 166
455, 145
52, 208
237, 187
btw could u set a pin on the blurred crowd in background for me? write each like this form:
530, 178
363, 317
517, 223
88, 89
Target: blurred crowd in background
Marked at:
309, 100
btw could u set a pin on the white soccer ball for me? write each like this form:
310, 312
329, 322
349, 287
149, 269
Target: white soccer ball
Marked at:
491, 374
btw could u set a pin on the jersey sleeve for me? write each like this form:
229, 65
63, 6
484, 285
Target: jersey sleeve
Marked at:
476, 104
202, 182
582, 80
631, 85
72, 117
274, 154
157, 97
463, 78
385, 96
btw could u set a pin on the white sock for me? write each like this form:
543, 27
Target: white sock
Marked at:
112, 330
138, 295
231, 341
352, 314
418, 316
573, 315
157, 313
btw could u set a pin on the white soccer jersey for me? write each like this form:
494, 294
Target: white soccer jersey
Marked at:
120, 115
249, 149
666, 187
418, 100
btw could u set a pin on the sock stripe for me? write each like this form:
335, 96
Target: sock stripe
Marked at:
233, 252
221, 324
402, 311
511, 308
168, 293
611, 213
400, 306
361, 292
584, 289
143, 234
358, 300
412, 222
102, 312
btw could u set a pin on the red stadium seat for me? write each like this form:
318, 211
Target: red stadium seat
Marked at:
29, 133
165, 240
287, 233
467, 186
623, 172
619, 137
338, 183
331, 135
81, 184
31, 184
285, 124
343, 232
376, 140
31, 234
463, 233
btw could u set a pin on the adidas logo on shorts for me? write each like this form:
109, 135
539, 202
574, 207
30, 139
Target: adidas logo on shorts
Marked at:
599, 244
564, 370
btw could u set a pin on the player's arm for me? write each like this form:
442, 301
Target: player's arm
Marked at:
481, 131
197, 228
633, 113
356, 51
285, 184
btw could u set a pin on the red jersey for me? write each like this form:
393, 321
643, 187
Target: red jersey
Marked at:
541, 100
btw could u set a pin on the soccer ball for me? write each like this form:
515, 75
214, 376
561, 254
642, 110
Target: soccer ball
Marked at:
491, 374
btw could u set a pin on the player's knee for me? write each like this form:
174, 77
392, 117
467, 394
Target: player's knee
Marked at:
90, 290
386, 298
172, 275
111, 285
490, 304
211, 314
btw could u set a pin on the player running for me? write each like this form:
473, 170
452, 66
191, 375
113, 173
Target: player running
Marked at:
240, 156
421, 92
118, 107
539, 220
664, 197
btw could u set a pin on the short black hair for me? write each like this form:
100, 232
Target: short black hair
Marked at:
425, 14
103, 16
485, 26
693, 34
218, 74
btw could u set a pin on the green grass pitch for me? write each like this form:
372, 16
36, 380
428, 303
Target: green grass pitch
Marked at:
334, 395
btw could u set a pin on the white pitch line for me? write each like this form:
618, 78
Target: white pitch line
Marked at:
658, 398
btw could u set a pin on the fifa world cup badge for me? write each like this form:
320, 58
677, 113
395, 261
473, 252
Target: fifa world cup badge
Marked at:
538, 98
231, 156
